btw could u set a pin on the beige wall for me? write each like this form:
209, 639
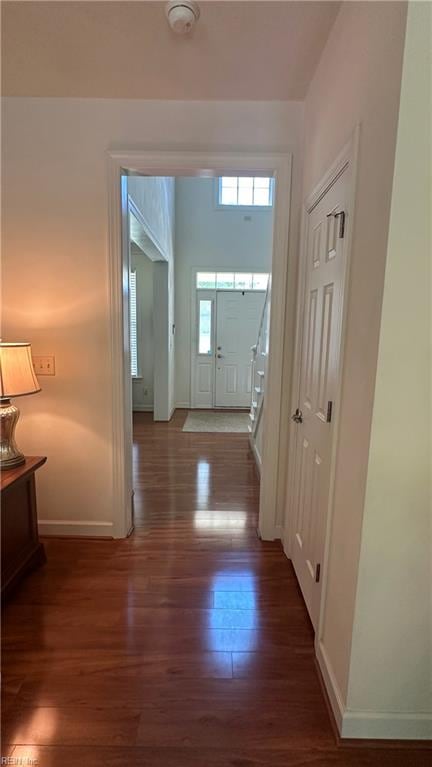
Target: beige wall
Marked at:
357, 82
154, 197
392, 630
55, 289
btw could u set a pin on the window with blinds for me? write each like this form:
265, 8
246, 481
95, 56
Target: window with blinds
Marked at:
133, 324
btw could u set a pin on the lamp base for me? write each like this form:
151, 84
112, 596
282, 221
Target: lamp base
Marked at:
10, 455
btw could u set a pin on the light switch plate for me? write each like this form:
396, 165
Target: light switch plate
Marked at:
44, 366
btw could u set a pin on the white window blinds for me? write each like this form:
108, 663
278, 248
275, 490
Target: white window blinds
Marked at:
133, 324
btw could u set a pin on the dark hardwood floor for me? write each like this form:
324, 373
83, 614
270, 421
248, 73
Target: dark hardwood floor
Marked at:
187, 644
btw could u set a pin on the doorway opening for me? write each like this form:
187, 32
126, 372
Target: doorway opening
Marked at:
276, 169
227, 313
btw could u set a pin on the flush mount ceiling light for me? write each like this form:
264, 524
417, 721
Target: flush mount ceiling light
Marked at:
182, 16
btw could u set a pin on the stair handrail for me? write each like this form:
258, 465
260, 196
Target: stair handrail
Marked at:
255, 349
262, 320
257, 417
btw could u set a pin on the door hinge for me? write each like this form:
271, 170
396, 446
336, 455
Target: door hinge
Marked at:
341, 217
329, 411
317, 573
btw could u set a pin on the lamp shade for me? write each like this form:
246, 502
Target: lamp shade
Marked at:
17, 376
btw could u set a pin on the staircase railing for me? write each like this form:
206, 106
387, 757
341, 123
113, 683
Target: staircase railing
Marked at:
259, 367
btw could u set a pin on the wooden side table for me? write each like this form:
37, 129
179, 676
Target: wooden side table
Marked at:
21, 549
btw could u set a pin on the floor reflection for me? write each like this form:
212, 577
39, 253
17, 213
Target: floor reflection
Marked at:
212, 520
233, 624
203, 482
40, 721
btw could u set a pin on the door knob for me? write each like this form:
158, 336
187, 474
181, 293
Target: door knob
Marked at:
297, 417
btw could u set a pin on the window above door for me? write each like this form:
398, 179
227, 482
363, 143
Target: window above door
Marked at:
231, 281
245, 192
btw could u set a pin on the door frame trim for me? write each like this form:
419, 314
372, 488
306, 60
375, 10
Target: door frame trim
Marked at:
347, 156
163, 161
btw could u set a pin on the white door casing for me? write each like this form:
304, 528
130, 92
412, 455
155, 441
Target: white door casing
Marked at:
320, 344
238, 316
165, 161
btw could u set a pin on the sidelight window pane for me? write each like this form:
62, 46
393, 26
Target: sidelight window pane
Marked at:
205, 327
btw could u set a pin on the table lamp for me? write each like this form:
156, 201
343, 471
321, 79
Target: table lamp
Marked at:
17, 378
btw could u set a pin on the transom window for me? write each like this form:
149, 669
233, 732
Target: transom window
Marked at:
231, 281
247, 191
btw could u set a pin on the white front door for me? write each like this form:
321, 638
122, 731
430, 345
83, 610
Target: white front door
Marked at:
238, 315
319, 364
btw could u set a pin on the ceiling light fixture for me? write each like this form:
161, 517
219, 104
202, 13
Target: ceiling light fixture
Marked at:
182, 16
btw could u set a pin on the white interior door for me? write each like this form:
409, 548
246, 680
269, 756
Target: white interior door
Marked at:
238, 316
319, 365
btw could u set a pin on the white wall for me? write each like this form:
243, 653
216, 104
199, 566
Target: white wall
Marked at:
210, 237
54, 170
154, 197
142, 387
392, 629
357, 82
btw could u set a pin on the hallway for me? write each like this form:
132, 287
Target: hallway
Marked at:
187, 644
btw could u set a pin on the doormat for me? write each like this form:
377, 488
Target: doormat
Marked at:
209, 421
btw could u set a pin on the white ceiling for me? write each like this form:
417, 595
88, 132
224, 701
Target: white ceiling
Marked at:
239, 50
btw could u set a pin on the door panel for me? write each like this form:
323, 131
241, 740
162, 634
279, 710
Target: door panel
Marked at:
205, 374
238, 315
319, 364
230, 379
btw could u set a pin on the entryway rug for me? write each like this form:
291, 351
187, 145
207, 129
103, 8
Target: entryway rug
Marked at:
209, 421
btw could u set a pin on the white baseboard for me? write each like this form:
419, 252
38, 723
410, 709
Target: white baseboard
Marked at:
386, 726
272, 533
215, 408
142, 408
331, 685
62, 527
370, 725
286, 544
